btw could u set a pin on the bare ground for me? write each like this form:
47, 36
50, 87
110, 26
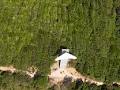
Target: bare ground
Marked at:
57, 75
31, 72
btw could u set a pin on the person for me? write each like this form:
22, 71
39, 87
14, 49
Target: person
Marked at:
59, 51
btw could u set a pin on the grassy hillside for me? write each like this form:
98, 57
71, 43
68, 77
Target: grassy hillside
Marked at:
32, 30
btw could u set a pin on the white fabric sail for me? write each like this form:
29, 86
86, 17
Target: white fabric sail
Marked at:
64, 59
66, 56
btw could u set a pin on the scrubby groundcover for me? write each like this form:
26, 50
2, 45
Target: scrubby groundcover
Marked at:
32, 30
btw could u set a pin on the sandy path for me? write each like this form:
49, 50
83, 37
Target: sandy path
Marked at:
31, 72
57, 75
8, 69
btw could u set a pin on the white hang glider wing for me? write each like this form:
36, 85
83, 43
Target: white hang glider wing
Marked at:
66, 56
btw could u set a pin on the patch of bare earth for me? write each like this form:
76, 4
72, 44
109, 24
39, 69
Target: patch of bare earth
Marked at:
58, 75
31, 72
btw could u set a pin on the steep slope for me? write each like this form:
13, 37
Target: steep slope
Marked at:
32, 30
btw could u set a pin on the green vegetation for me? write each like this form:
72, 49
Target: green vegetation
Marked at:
32, 30
21, 82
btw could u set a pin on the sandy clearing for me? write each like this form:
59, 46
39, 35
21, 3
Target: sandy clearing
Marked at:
58, 75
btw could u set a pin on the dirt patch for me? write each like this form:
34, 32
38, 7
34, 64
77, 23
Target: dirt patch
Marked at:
58, 76
8, 69
31, 72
